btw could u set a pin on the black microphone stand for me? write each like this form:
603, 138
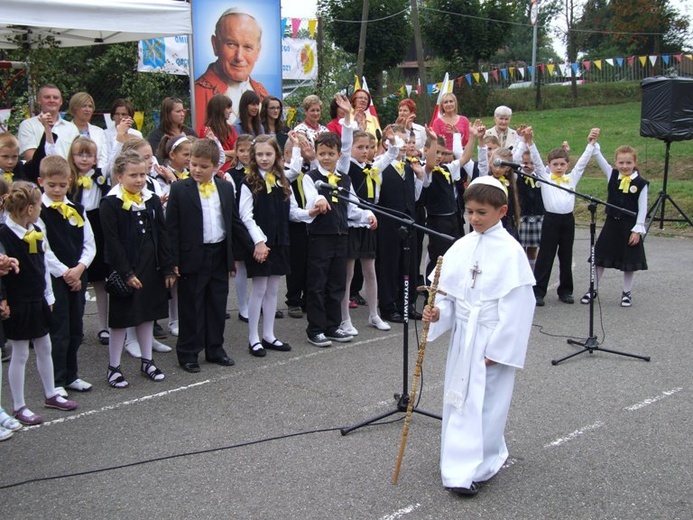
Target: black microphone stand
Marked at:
591, 343
407, 226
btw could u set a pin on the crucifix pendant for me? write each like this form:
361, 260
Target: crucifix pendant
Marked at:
475, 271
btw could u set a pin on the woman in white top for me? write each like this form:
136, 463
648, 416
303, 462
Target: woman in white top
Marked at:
81, 108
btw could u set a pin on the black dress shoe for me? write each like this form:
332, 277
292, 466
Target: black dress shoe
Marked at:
257, 350
242, 318
566, 298
192, 368
540, 301
414, 314
394, 317
224, 361
466, 492
281, 346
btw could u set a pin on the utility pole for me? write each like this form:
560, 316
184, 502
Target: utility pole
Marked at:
420, 60
320, 42
362, 39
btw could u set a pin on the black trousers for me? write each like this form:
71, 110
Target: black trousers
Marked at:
66, 330
298, 259
557, 235
202, 299
326, 285
390, 268
447, 224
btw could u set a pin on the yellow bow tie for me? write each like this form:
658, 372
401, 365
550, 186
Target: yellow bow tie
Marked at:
625, 183
559, 179
333, 180
299, 183
399, 166
530, 181
130, 198
181, 176
68, 212
413, 160
505, 181
84, 182
270, 181
371, 177
206, 189
31, 238
444, 172
8, 176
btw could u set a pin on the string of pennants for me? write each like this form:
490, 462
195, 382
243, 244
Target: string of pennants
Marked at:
294, 24
527, 72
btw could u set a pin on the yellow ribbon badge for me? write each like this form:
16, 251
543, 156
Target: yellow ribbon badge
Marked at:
84, 182
31, 238
299, 183
444, 172
68, 212
530, 181
371, 177
399, 166
333, 180
130, 198
206, 189
625, 183
270, 181
8, 176
181, 176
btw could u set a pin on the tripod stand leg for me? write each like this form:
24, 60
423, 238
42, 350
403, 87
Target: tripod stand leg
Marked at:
679, 210
377, 418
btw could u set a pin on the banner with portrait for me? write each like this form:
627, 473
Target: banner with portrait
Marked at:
236, 48
299, 59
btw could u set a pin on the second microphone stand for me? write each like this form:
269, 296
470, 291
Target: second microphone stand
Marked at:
591, 344
407, 226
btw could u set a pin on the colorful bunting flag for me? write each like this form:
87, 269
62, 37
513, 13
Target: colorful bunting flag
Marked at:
312, 25
653, 60
295, 26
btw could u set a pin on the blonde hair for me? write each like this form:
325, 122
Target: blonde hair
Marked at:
7, 140
21, 195
79, 100
54, 166
626, 149
124, 159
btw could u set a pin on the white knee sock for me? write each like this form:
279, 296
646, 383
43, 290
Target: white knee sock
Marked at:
257, 295
371, 283
115, 346
44, 364
241, 280
628, 277
349, 277
145, 336
17, 371
269, 308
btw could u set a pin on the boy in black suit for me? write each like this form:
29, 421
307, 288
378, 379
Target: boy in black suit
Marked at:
202, 219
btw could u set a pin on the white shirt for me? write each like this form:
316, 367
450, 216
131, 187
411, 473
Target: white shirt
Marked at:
55, 266
556, 200
20, 231
91, 198
213, 230
31, 130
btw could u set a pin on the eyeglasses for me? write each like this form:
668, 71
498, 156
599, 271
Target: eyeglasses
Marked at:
85, 155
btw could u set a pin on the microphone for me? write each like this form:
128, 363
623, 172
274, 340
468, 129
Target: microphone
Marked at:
322, 185
514, 166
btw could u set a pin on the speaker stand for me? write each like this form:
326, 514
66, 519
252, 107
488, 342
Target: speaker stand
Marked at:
658, 206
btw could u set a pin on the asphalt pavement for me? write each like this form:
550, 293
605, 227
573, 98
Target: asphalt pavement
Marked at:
599, 436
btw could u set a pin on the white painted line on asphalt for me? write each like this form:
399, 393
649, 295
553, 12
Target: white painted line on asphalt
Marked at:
574, 435
114, 406
319, 351
401, 512
649, 401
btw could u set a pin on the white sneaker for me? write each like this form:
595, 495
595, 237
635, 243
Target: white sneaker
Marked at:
378, 323
133, 348
157, 346
61, 391
79, 385
173, 327
347, 327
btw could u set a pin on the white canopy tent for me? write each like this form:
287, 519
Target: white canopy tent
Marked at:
88, 22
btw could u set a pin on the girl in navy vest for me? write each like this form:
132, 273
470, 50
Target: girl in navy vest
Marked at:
266, 205
89, 185
619, 245
27, 300
137, 248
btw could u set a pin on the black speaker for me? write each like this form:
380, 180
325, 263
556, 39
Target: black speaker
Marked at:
667, 108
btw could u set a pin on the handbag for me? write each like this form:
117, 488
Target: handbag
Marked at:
117, 287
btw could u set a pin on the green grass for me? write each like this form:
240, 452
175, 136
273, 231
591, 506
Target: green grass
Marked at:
620, 124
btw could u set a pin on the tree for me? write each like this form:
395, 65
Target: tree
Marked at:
387, 39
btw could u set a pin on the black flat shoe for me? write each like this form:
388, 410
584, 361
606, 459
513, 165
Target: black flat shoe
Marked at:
281, 346
224, 361
465, 492
257, 350
192, 368
394, 317
242, 318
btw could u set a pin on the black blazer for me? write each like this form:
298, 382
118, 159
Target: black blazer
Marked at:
184, 223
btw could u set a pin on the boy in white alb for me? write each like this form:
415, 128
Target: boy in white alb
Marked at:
487, 301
